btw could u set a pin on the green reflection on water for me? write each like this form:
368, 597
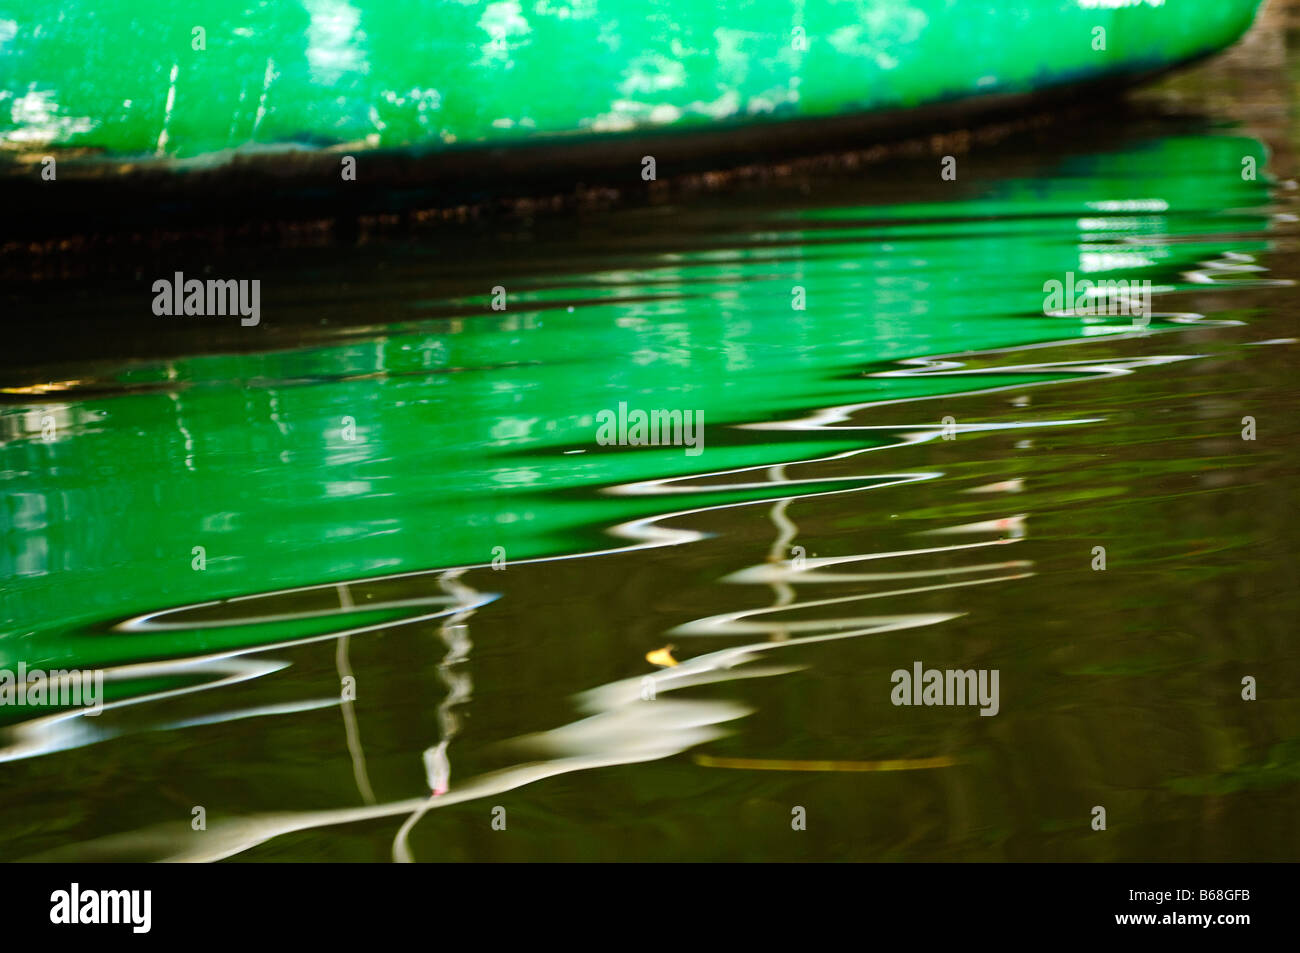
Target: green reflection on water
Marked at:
477, 430
460, 438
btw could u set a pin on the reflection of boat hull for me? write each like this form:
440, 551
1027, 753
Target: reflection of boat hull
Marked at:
484, 90
242, 451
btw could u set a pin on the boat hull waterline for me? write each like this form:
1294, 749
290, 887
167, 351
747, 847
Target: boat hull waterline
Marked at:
126, 84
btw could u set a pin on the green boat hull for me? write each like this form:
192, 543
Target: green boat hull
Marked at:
122, 83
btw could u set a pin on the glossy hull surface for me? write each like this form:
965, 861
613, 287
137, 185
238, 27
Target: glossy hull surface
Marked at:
143, 80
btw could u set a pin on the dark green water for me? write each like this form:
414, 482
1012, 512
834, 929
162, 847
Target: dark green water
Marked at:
828, 533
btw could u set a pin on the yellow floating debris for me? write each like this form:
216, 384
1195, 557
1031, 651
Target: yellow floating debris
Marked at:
662, 657
52, 387
772, 764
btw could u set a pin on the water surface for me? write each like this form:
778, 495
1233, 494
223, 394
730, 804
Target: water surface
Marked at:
399, 490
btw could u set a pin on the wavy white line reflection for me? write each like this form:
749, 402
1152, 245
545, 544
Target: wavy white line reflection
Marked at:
624, 725
621, 728
67, 729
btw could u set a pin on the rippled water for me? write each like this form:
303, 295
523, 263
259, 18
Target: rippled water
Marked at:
918, 466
